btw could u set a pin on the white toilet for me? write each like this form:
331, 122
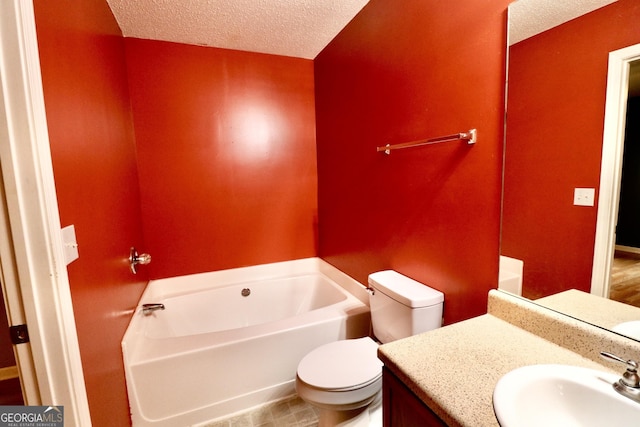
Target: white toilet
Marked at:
344, 378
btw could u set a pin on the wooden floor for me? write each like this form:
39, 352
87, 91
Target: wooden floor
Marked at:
625, 278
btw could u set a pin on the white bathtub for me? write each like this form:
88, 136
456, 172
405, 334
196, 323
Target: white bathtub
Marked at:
213, 352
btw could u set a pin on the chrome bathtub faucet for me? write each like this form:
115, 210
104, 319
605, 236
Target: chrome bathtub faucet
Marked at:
148, 309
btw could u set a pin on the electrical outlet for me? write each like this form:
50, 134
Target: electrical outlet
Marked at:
584, 196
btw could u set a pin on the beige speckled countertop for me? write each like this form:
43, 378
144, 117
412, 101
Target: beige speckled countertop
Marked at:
593, 309
454, 369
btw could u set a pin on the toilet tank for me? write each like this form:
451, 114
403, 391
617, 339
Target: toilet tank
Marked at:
402, 307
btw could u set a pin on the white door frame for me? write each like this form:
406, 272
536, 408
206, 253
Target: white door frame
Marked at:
611, 168
12, 295
32, 212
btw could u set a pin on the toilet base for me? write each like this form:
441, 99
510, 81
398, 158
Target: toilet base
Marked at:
366, 416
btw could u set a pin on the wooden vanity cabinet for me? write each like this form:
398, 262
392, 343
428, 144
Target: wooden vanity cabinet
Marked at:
402, 408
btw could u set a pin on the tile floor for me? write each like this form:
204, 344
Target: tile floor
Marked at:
291, 412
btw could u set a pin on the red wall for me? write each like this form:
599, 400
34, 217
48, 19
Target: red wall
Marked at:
557, 88
402, 71
399, 72
226, 149
92, 144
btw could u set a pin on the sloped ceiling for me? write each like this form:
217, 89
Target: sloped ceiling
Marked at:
298, 28
530, 17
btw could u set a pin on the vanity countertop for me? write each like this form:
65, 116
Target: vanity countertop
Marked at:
454, 369
597, 310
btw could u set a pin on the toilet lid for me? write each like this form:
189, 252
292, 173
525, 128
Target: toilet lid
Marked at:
341, 364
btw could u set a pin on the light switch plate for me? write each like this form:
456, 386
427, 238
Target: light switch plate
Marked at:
584, 196
69, 244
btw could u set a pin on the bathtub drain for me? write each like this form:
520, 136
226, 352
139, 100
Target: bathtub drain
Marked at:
246, 292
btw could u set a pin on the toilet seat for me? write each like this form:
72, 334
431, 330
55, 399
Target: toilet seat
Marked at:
341, 365
344, 374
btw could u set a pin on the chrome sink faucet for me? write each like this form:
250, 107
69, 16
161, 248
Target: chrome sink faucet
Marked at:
629, 384
148, 309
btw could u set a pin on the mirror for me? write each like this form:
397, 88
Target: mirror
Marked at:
556, 92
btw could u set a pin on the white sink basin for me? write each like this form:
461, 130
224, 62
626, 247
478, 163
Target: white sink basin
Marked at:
630, 329
558, 395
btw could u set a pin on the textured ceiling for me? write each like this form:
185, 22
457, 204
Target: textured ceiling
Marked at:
530, 17
298, 28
